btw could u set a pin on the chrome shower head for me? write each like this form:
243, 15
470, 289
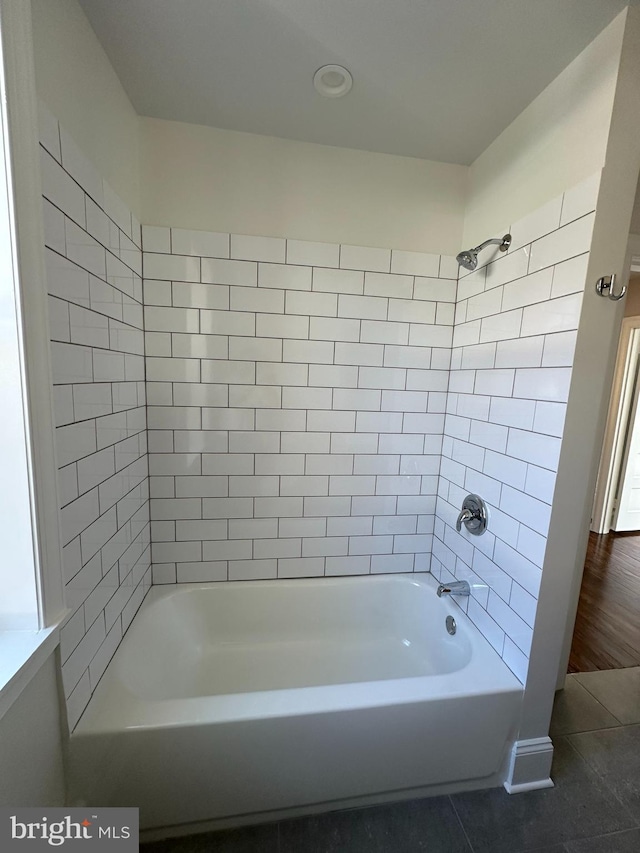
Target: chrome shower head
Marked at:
469, 258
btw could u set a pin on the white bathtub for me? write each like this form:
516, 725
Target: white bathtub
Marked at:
228, 701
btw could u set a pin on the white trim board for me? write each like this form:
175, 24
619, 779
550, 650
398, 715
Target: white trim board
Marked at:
28, 652
613, 444
17, 49
530, 765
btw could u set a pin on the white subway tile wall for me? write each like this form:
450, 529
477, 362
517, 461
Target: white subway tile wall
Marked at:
513, 341
312, 409
296, 396
94, 265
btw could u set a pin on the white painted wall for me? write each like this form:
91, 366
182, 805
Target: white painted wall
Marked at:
31, 745
274, 187
216, 180
556, 142
76, 81
219, 180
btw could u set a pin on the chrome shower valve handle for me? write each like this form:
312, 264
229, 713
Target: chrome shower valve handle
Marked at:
465, 515
473, 515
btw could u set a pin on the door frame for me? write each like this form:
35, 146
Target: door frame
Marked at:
622, 394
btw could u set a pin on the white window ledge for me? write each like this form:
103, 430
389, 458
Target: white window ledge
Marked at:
22, 653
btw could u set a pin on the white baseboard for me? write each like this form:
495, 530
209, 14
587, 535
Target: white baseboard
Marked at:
528, 786
530, 765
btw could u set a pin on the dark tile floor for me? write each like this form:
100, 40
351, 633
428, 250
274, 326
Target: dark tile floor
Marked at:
593, 808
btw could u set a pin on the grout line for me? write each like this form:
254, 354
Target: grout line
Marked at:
608, 710
462, 826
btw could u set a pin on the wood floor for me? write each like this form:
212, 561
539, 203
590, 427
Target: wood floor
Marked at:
607, 632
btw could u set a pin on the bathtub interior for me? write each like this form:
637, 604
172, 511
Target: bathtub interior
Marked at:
248, 637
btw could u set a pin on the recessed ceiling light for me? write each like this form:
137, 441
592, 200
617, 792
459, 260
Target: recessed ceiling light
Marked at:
332, 81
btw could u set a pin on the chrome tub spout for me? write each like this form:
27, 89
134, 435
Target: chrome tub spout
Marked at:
455, 588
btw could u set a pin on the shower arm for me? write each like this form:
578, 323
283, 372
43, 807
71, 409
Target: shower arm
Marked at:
497, 240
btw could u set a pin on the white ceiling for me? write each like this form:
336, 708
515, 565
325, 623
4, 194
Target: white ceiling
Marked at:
437, 79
